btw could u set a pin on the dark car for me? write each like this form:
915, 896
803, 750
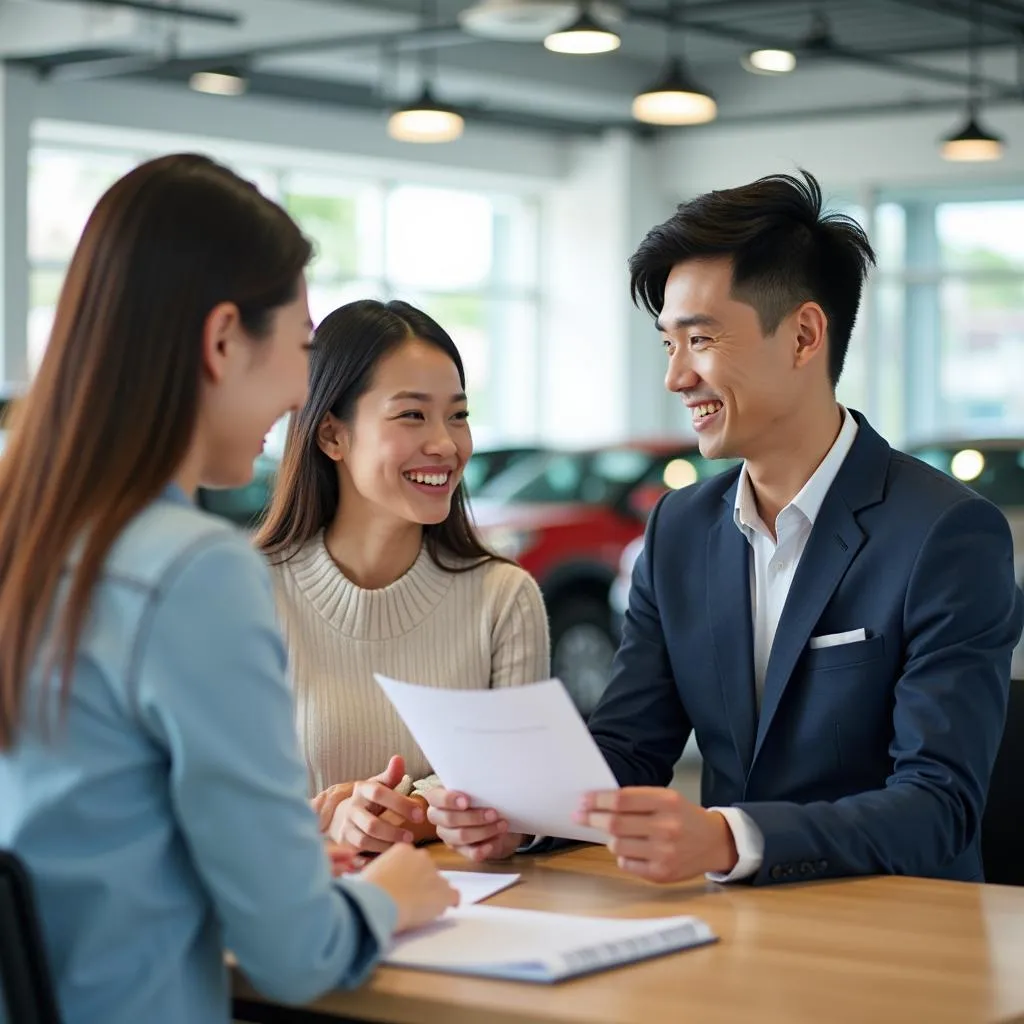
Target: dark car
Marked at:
566, 517
486, 463
9, 393
994, 468
244, 506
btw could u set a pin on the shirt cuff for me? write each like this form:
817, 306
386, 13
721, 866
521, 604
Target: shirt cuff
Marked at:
749, 840
530, 843
379, 914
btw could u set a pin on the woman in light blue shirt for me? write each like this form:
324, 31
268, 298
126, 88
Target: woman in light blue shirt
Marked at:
149, 773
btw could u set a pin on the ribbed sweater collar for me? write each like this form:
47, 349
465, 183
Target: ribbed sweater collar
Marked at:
361, 614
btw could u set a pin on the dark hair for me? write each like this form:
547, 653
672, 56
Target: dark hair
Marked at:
347, 349
784, 252
111, 414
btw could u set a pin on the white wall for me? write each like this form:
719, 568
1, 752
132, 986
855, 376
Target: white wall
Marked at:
175, 110
847, 155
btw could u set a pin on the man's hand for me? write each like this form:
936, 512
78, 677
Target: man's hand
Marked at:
660, 835
373, 818
478, 833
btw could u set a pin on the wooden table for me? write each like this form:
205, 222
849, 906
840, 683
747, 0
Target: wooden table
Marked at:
861, 950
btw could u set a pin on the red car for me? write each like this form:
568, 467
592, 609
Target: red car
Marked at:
566, 517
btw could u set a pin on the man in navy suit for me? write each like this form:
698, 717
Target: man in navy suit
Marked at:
833, 619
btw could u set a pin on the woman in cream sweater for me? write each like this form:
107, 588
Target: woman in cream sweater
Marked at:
377, 567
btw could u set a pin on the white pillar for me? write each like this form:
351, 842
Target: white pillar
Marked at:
602, 365
652, 411
17, 88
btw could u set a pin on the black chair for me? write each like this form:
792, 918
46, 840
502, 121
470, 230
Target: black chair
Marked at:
1002, 828
25, 985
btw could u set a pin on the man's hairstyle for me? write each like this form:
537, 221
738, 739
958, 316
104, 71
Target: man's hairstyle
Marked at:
784, 252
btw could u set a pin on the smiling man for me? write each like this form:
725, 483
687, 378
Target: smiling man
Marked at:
833, 619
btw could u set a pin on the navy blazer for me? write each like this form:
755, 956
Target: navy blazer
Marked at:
871, 757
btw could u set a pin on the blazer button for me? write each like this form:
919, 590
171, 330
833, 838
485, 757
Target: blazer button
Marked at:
823, 865
776, 872
807, 868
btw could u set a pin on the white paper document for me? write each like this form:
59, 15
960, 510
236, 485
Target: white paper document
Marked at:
532, 945
474, 886
524, 751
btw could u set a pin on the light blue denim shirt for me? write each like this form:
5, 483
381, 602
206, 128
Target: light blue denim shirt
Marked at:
166, 821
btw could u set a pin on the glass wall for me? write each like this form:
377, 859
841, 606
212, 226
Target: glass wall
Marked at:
945, 315
468, 257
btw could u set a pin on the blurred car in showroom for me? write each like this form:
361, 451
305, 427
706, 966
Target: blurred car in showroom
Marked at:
486, 463
994, 468
566, 517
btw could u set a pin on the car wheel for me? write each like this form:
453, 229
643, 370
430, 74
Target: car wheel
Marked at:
582, 649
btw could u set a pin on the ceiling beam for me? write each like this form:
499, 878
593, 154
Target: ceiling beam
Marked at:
835, 51
994, 15
407, 41
180, 11
936, 49
849, 111
345, 95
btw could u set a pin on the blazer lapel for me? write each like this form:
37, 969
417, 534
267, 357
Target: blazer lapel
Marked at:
732, 630
834, 542
830, 549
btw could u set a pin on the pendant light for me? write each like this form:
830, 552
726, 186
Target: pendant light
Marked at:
674, 98
426, 120
972, 142
769, 62
221, 81
585, 35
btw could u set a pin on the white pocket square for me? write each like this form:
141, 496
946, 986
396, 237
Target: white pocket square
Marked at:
851, 636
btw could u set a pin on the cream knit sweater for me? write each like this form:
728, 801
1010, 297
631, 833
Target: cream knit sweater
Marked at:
471, 630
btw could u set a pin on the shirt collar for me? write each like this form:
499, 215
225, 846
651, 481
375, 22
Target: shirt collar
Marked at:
811, 495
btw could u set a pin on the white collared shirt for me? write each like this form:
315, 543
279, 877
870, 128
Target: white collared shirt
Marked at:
773, 564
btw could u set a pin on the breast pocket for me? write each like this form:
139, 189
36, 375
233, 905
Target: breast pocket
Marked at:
847, 695
860, 652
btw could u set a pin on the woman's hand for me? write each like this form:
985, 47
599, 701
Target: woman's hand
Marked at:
410, 878
344, 860
477, 833
374, 817
326, 803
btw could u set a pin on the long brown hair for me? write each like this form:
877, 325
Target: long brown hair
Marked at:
112, 412
347, 348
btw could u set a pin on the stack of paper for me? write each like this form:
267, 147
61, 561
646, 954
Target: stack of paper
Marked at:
531, 945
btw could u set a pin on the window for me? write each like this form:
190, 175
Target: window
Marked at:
64, 186
467, 257
946, 315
